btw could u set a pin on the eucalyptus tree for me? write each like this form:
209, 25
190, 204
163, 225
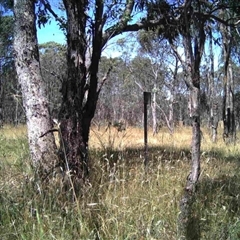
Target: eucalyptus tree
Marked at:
112, 103
11, 98
164, 76
193, 37
190, 28
42, 149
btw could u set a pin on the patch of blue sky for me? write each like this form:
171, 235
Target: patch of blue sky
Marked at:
50, 33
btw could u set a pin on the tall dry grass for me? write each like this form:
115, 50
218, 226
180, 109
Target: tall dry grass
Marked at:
121, 201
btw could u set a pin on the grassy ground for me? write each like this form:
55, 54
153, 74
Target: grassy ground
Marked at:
121, 200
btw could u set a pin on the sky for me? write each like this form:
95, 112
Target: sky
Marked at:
49, 33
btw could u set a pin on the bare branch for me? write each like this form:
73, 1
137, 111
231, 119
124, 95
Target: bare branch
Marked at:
139, 85
104, 79
177, 54
166, 119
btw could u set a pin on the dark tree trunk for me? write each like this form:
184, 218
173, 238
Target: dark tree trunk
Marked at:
79, 90
229, 132
73, 130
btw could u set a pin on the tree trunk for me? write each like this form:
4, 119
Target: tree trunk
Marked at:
196, 138
213, 113
214, 120
79, 90
171, 113
42, 149
229, 132
74, 131
188, 227
154, 110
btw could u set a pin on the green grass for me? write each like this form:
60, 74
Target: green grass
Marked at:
121, 200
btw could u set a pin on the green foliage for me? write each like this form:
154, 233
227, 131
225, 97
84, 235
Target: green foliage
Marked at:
53, 47
161, 9
149, 41
42, 14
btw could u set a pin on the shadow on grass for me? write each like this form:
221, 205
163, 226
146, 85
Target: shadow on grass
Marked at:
216, 209
136, 155
218, 206
161, 153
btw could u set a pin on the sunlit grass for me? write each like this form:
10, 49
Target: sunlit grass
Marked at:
10, 132
121, 201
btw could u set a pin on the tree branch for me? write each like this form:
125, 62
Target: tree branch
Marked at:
47, 5
166, 119
118, 29
104, 79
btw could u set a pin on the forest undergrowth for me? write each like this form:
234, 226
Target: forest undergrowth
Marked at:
121, 201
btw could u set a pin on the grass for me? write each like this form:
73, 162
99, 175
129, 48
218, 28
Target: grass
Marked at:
121, 200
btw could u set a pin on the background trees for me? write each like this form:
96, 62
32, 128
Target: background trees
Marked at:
53, 68
10, 100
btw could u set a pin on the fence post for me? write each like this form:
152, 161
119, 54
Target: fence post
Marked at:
147, 101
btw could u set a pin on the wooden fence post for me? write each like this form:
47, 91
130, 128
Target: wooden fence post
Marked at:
147, 101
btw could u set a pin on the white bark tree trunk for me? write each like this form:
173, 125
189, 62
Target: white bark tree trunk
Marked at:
154, 110
42, 149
